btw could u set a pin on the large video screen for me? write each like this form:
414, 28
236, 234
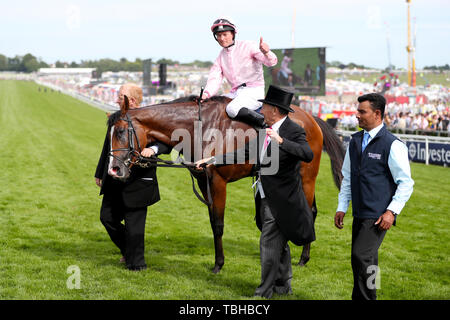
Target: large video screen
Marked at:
300, 70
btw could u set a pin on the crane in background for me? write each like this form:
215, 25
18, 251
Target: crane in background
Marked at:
413, 80
388, 42
411, 50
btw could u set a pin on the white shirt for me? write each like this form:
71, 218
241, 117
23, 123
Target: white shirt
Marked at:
275, 127
398, 163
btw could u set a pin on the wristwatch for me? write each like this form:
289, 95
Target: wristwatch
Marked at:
393, 213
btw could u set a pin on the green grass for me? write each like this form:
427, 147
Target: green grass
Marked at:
49, 220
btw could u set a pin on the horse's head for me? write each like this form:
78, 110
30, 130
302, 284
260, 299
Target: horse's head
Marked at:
127, 138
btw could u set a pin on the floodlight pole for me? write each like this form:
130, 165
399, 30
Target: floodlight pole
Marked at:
409, 47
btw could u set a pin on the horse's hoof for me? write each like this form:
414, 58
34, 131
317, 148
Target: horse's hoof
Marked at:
216, 269
303, 261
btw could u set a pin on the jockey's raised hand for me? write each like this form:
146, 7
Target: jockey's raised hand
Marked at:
264, 47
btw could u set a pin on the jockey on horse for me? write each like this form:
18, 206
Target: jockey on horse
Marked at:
240, 62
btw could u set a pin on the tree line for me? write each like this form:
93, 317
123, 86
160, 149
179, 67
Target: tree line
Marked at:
26, 63
438, 68
29, 63
340, 65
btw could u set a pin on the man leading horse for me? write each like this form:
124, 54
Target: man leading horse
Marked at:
127, 200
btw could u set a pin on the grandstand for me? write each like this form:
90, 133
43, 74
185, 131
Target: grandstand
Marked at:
430, 103
66, 71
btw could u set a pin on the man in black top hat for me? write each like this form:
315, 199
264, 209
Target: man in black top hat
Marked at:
282, 212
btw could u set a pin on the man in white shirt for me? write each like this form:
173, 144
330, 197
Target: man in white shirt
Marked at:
377, 179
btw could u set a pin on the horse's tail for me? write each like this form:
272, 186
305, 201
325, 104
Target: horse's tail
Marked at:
334, 148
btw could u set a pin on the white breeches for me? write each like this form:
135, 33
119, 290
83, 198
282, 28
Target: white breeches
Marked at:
244, 97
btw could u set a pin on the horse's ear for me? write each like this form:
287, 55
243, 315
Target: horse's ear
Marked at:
108, 114
126, 105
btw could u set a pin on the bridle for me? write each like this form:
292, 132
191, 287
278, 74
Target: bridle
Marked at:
155, 161
132, 151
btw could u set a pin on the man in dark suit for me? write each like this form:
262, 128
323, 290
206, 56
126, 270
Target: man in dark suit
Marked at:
128, 200
377, 180
282, 212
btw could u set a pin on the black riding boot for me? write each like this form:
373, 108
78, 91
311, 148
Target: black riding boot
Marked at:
251, 117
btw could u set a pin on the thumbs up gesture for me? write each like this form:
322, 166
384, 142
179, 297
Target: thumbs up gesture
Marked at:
263, 46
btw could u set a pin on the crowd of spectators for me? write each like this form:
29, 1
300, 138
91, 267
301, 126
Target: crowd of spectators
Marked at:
420, 110
104, 90
406, 121
406, 118
410, 115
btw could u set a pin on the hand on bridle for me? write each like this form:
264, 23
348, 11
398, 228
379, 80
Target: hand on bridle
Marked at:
148, 152
203, 163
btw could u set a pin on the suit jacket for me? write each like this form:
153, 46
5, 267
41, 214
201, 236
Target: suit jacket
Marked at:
283, 190
140, 189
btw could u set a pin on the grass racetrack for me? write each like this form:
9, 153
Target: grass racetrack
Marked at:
49, 221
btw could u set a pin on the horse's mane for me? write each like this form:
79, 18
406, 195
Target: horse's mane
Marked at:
113, 118
190, 98
193, 98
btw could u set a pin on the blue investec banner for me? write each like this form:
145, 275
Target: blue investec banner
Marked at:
438, 153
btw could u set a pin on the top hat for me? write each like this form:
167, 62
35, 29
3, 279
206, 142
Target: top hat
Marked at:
279, 98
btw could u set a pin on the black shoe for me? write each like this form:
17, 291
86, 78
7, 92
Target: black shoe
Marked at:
137, 268
268, 294
251, 118
281, 290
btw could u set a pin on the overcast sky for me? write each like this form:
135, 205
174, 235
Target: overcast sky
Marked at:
352, 30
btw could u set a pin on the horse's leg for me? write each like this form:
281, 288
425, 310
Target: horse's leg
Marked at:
304, 258
219, 194
309, 172
216, 214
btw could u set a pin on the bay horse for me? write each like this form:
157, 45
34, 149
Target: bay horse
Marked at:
161, 122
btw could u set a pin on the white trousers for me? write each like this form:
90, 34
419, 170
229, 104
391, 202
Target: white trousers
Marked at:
244, 97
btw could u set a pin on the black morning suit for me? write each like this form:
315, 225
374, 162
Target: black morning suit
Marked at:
128, 201
284, 190
283, 215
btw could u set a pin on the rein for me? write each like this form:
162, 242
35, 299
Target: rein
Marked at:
157, 162
131, 148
